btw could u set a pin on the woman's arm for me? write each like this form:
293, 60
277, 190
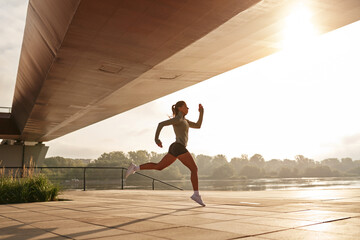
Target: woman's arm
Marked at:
171, 121
199, 121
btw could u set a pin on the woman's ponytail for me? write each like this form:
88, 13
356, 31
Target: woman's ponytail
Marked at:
173, 109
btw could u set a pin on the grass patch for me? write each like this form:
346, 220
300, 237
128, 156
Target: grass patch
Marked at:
25, 186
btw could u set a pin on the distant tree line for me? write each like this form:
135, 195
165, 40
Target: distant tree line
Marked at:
212, 167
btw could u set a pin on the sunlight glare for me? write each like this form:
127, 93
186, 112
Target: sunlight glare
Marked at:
299, 30
317, 194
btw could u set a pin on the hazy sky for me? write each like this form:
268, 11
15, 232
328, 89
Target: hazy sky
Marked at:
293, 102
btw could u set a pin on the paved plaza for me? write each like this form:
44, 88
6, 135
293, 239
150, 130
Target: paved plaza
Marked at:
145, 214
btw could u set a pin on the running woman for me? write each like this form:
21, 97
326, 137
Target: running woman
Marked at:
177, 150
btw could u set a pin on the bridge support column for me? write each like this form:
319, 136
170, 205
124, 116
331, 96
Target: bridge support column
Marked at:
21, 154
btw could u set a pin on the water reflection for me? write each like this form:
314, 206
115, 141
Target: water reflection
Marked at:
272, 184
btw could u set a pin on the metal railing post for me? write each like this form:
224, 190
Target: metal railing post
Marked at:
153, 184
84, 179
122, 178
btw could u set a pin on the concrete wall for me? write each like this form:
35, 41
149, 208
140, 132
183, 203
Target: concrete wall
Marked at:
12, 155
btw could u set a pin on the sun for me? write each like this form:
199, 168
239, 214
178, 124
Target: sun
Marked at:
298, 31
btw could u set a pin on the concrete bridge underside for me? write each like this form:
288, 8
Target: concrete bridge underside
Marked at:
83, 61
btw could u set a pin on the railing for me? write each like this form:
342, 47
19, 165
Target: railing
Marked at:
84, 174
5, 109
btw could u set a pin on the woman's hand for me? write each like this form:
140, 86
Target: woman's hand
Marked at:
201, 108
158, 142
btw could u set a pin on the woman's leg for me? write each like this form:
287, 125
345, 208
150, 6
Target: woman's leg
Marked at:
166, 161
189, 162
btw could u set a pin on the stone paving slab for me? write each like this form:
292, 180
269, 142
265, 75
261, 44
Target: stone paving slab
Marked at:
172, 215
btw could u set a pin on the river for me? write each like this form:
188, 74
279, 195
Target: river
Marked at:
269, 184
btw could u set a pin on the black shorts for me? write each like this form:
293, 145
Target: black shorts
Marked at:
177, 149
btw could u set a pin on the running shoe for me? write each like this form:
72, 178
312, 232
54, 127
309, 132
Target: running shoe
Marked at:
197, 198
130, 170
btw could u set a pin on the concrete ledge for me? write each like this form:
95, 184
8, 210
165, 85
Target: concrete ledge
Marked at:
17, 155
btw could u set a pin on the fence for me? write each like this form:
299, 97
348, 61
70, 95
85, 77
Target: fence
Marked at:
84, 169
5, 109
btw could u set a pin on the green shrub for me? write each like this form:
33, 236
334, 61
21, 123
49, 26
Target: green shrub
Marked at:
31, 188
